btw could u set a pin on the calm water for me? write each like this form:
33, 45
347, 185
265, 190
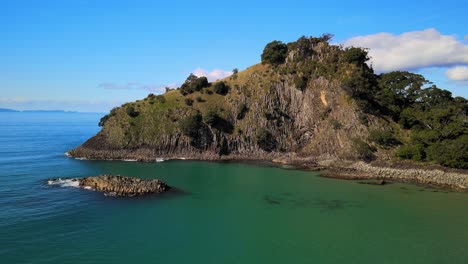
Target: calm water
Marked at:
229, 213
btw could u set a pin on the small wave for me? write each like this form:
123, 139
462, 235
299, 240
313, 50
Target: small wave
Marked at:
67, 154
130, 160
64, 182
81, 158
159, 160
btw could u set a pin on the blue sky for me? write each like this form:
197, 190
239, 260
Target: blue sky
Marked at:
92, 55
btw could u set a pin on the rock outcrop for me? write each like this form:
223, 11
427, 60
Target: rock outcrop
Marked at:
115, 185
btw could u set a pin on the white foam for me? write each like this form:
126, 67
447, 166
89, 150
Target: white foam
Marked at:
67, 154
81, 158
65, 182
159, 160
130, 160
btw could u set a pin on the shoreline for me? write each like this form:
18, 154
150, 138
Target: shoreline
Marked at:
405, 172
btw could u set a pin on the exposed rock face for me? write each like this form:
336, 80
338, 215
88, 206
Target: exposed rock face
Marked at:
115, 185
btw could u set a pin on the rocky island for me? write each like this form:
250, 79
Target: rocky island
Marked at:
115, 185
308, 102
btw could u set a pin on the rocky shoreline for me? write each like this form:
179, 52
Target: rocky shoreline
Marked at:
112, 185
432, 176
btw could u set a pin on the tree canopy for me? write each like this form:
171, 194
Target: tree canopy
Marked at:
274, 53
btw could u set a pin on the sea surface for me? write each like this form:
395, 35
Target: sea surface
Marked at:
225, 213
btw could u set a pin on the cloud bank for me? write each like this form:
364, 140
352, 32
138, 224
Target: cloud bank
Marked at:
415, 50
212, 75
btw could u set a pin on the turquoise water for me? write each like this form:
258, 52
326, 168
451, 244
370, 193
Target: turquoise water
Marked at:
227, 212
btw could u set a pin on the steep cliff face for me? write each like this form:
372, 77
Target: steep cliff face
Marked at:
298, 109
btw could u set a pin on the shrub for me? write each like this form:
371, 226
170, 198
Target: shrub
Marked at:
265, 140
161, 99
188, 101
132, 112
193, 84
213, 119
411, 152
363, 150
221, 88
199, 99
274, 53
105, 118
383, 138
241, 111
335, 124
325, 113
191, 125
300, 83
452, 153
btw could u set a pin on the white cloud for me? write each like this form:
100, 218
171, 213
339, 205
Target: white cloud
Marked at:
212, 75
459, 73
412, 50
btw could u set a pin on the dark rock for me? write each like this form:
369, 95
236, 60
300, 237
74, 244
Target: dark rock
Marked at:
124, 186
377, 182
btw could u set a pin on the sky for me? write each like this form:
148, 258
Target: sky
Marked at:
93, 55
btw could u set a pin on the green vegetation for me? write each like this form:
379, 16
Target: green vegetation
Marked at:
335, 124
241, 111
275, 53
191, 124
221, 88
132, 112
213, 119
266, 140
383, 138
193, 84
300, 82
363, 150
105, 118
188, 101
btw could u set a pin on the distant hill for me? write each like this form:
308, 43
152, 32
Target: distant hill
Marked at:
37, 111
7, 110
48, 111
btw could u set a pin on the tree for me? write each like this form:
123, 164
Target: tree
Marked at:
221, 88
193, 84
132, 112
355, 55
274, 53
213, 119
191, 125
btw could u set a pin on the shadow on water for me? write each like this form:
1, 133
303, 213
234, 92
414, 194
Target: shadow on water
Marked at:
324, 205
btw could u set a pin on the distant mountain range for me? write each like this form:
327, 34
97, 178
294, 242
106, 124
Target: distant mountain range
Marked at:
3, 110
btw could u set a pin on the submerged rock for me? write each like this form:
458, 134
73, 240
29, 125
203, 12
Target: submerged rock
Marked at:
117, 185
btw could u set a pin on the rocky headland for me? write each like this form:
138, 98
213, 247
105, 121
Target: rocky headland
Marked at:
309, 104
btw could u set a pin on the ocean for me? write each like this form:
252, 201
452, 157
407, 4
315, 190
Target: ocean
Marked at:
223, 213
